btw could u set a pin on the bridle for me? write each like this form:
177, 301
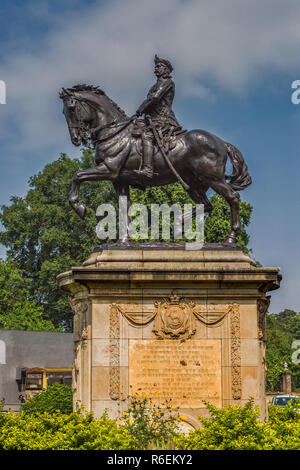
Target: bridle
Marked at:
83, 131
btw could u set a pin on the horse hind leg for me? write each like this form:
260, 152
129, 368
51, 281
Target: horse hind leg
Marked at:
233, 198
198, 195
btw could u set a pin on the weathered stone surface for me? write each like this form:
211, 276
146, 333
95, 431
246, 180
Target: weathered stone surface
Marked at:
187, 323
185, 372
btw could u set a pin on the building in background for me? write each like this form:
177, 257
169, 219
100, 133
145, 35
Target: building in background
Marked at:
21, 351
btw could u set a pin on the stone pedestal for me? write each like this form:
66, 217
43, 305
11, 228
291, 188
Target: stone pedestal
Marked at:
170, 323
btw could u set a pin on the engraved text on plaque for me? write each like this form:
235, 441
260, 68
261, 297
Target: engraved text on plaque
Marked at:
187, 372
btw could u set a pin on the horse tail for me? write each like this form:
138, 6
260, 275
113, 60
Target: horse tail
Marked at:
240, 178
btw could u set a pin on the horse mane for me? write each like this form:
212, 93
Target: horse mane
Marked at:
97, 91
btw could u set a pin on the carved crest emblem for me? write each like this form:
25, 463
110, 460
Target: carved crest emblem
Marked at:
174, 318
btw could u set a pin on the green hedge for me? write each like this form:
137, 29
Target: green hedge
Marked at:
238, 428
57, 431
233, 427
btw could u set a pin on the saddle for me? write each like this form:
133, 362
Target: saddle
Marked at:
168, 137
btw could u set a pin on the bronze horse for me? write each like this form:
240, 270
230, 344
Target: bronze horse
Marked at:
198, 156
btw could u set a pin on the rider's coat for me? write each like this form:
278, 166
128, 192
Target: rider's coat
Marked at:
158, 104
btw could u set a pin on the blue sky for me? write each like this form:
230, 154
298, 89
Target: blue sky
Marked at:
234, 62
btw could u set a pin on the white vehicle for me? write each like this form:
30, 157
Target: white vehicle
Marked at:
282, 400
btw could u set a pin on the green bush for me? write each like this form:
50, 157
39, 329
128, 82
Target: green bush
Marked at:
154, 427
57, 397
57, 431
150, 425
232, 427
238, 428
283, 428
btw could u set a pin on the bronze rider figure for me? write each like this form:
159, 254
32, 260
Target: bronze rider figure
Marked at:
158, 107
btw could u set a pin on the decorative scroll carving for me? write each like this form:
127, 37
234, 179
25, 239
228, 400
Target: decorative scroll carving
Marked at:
80, 310
262, 306
114, 357
211, 314
236, 380
136, 318
75, 373
174, 319
80, 322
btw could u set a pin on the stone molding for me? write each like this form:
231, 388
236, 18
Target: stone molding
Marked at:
235, 332
80, 321
174, 317
114, 352
262, 307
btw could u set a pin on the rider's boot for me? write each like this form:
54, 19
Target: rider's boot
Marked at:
147, 169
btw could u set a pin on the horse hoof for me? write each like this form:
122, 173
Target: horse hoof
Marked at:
79, 209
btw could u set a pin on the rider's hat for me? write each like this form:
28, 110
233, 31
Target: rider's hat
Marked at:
158, 60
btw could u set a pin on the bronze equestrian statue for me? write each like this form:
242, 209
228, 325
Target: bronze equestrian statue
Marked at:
158, 110
154, 151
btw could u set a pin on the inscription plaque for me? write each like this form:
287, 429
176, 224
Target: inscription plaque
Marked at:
187, 372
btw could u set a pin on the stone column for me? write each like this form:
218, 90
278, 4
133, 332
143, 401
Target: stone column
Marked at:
287, 383
170, 323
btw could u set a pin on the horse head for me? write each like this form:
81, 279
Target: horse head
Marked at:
87, 109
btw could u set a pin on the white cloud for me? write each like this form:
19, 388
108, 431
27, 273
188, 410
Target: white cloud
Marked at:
231, 44
228, 42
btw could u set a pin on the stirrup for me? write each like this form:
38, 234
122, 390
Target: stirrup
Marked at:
147, 172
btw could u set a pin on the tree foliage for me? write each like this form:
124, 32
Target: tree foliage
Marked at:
45, 237
282, 330
57, 397
217, 223
18, 311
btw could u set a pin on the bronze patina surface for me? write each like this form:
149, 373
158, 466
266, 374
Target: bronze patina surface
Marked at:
153, 151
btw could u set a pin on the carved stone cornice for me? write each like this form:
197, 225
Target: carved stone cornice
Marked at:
262, 307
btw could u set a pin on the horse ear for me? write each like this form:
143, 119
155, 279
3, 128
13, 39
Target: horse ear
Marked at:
63, 93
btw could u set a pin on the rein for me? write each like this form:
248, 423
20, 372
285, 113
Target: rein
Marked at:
93, 130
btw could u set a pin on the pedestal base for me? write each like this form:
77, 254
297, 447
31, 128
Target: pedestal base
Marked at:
170, 323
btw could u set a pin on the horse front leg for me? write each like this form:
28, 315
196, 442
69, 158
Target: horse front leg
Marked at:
92, 174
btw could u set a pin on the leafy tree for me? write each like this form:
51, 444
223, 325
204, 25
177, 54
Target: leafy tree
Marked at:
217, 222
45, 237
18, 311
57, 397
282, 329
